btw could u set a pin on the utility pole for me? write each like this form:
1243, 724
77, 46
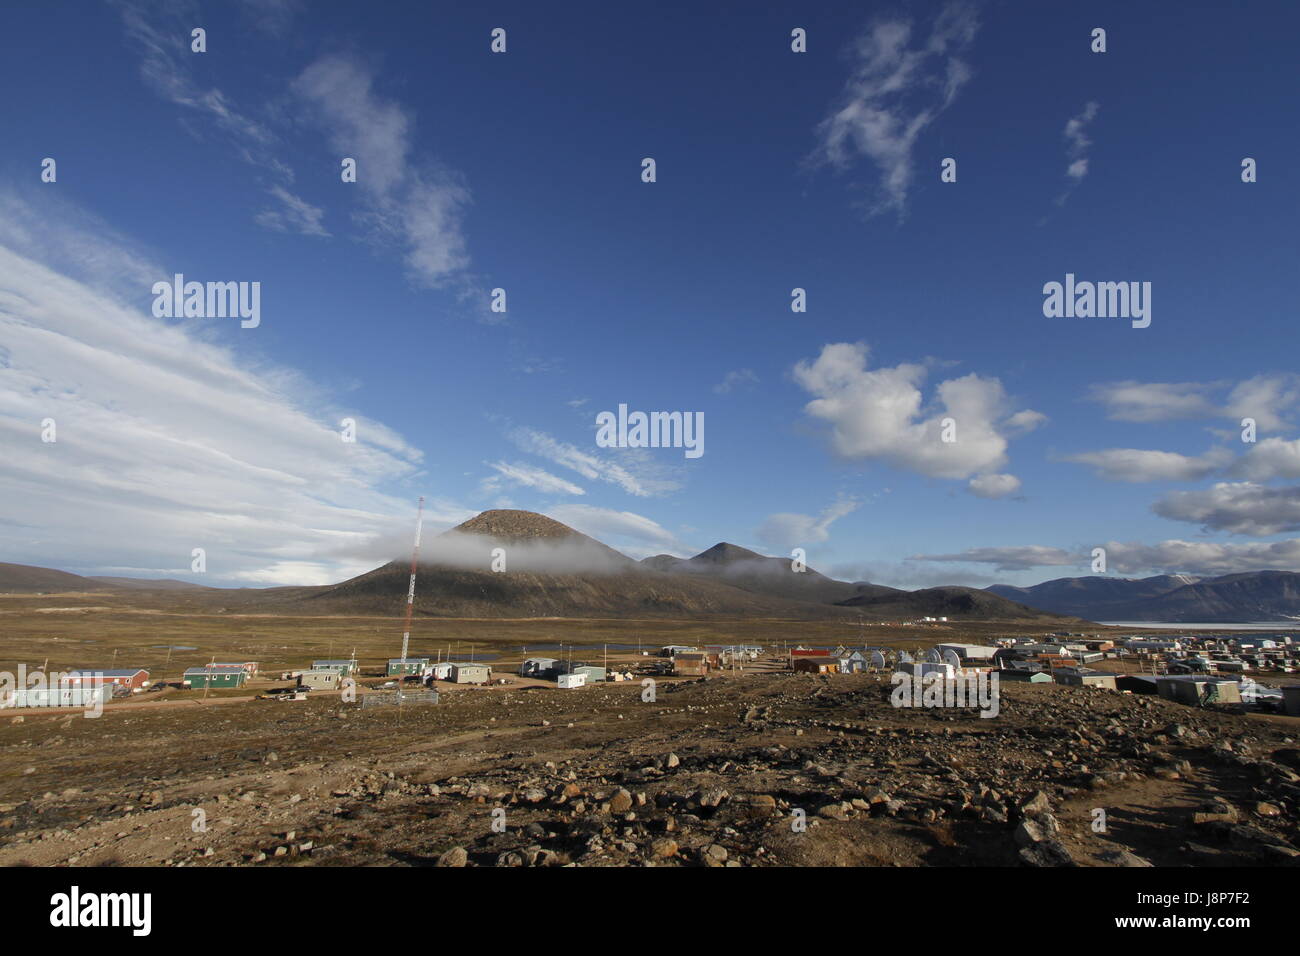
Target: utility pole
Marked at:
410, 589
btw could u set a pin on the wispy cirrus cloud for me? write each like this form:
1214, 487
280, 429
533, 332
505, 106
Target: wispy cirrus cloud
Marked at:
161, 32
1077, 144
632, 472
420, 207
895, 91
530, 476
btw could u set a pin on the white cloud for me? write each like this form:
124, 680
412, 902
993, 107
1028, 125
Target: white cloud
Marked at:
1137, 464
631, 533
735, 379
1011, 558
1243, 507
162, 33
896, 90
533, 477
165, 441
787, 530
993, 486
590, 466
1267, 398
1202, 558
421, 208
880, 414
1077, 141
1198, 558
1269, 459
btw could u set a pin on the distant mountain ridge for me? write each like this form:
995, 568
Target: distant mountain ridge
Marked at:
518, 564
1242, 598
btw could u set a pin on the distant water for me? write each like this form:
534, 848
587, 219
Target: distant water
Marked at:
175, 647
1162, 626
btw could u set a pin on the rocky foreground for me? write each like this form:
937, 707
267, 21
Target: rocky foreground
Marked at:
729, 771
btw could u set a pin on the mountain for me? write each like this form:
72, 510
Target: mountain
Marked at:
1245, 598
24, 579
760, 574
519, 564
21, 578
954, 603
1088, 597
551, 570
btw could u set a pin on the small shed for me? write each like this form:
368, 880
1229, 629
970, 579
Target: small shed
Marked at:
570, 681
691, 664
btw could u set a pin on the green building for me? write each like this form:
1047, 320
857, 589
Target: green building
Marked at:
412, 665
214, 676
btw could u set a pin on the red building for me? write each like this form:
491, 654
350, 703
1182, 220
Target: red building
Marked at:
133, 678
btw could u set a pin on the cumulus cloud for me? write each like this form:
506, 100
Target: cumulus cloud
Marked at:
1138, 465
787, 530
1269, 459
166, 442
881, 415
895, 91
1243, 507
1202, 558
993, 486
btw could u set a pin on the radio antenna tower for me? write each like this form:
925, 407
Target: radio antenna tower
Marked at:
410, 590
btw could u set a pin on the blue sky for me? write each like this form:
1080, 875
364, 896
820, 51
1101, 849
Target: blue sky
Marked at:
775, 170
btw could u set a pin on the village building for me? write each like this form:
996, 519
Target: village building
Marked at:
817, 665
1196, 691
411, 665
691, 664
469, 673
214, 676
538, 667
570, 681
344, 668
320, 679
1084, 677
134, 678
